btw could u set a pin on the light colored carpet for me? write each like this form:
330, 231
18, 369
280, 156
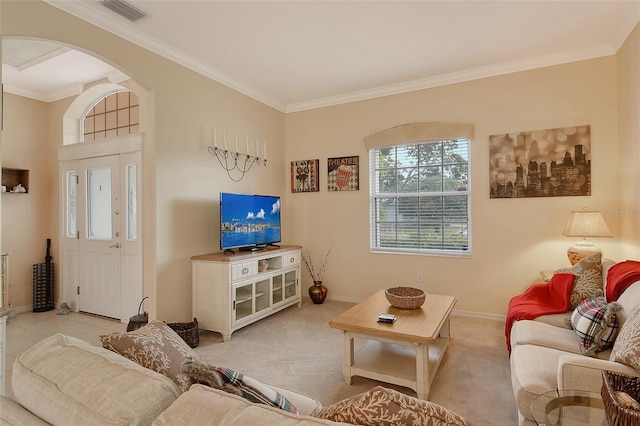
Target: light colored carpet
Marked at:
296, 349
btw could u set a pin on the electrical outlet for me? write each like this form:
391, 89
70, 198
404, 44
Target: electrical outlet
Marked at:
419, 277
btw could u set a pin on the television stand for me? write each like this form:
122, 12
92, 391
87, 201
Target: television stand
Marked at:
231, 291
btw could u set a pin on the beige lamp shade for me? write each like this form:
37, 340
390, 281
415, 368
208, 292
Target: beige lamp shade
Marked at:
585, 223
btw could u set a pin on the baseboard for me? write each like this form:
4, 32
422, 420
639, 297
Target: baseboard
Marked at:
479, 315
23, 309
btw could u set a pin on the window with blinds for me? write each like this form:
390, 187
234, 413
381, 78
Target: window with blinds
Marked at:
420, 198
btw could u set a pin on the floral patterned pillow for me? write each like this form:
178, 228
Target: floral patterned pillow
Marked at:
626, 349
588, 274
387, 407
154, 346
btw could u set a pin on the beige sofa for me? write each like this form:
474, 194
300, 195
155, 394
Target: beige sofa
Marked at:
545, 355
66, 381
62, 380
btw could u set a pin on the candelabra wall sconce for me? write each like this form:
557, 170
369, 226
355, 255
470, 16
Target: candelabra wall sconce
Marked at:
236, 162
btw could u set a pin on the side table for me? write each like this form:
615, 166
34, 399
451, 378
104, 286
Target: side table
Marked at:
568, 408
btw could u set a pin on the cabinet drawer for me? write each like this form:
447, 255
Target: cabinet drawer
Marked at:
244, 270
292, 259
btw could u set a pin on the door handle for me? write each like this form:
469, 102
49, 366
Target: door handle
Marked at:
116, 245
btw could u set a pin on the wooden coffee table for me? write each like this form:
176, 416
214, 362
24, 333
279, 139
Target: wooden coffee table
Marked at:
406, 353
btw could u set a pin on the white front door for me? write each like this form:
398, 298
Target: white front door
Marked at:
101, 243
99, 236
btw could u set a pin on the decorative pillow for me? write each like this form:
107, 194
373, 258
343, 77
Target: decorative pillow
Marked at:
588, 274
235, 383
626, 349
154, 346
596, 323
386, 407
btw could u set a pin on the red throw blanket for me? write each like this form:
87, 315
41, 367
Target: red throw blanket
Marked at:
540, 299
620, 277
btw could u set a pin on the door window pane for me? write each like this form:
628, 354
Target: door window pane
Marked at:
99, 204
72, 226
243, 301
277, 289
262, 295
132, 202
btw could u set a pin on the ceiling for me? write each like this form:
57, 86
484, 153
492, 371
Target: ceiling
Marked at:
296, 55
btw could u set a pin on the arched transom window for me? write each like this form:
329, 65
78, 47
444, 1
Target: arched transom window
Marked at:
114, 115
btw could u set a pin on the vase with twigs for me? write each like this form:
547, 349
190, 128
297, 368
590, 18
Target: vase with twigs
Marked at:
317, 292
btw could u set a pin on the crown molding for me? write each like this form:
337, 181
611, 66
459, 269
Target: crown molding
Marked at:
26, 93
456, 77
111, 24
69, 90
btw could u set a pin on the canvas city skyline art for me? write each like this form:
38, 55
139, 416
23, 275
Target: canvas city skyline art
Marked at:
541, 163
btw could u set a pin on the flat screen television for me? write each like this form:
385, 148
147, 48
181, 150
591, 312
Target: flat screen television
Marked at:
249, 222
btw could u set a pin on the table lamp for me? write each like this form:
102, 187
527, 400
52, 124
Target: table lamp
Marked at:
585, 223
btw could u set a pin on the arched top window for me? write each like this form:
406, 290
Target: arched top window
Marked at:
116, 114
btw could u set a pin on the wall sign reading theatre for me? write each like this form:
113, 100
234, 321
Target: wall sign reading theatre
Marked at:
541, 163
343, 173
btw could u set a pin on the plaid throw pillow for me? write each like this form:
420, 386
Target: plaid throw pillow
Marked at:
255, 391
235, 383
595, 323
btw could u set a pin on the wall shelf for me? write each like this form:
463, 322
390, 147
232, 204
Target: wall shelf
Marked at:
12, 177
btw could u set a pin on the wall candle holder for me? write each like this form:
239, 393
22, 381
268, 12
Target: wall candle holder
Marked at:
235, 160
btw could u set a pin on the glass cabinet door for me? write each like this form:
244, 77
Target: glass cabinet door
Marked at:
277, 290
290, 284
243, 301
262, 295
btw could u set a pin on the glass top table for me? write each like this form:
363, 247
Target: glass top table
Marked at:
567, 408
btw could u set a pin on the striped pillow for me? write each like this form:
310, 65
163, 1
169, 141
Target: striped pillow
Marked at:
596, 323
236, 383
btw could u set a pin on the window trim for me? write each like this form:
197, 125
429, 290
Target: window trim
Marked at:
414, 134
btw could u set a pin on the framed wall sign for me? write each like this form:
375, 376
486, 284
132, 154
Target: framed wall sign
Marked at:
304, 176
343, 173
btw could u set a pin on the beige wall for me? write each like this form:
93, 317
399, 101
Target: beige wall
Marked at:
629, 155
512, 239
181, 206
27, 219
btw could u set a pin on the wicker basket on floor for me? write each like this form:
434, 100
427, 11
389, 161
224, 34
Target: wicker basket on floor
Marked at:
188, 331
618, 414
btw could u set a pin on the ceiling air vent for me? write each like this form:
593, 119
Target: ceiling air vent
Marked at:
124, 9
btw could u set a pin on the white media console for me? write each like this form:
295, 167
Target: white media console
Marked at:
230, 291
